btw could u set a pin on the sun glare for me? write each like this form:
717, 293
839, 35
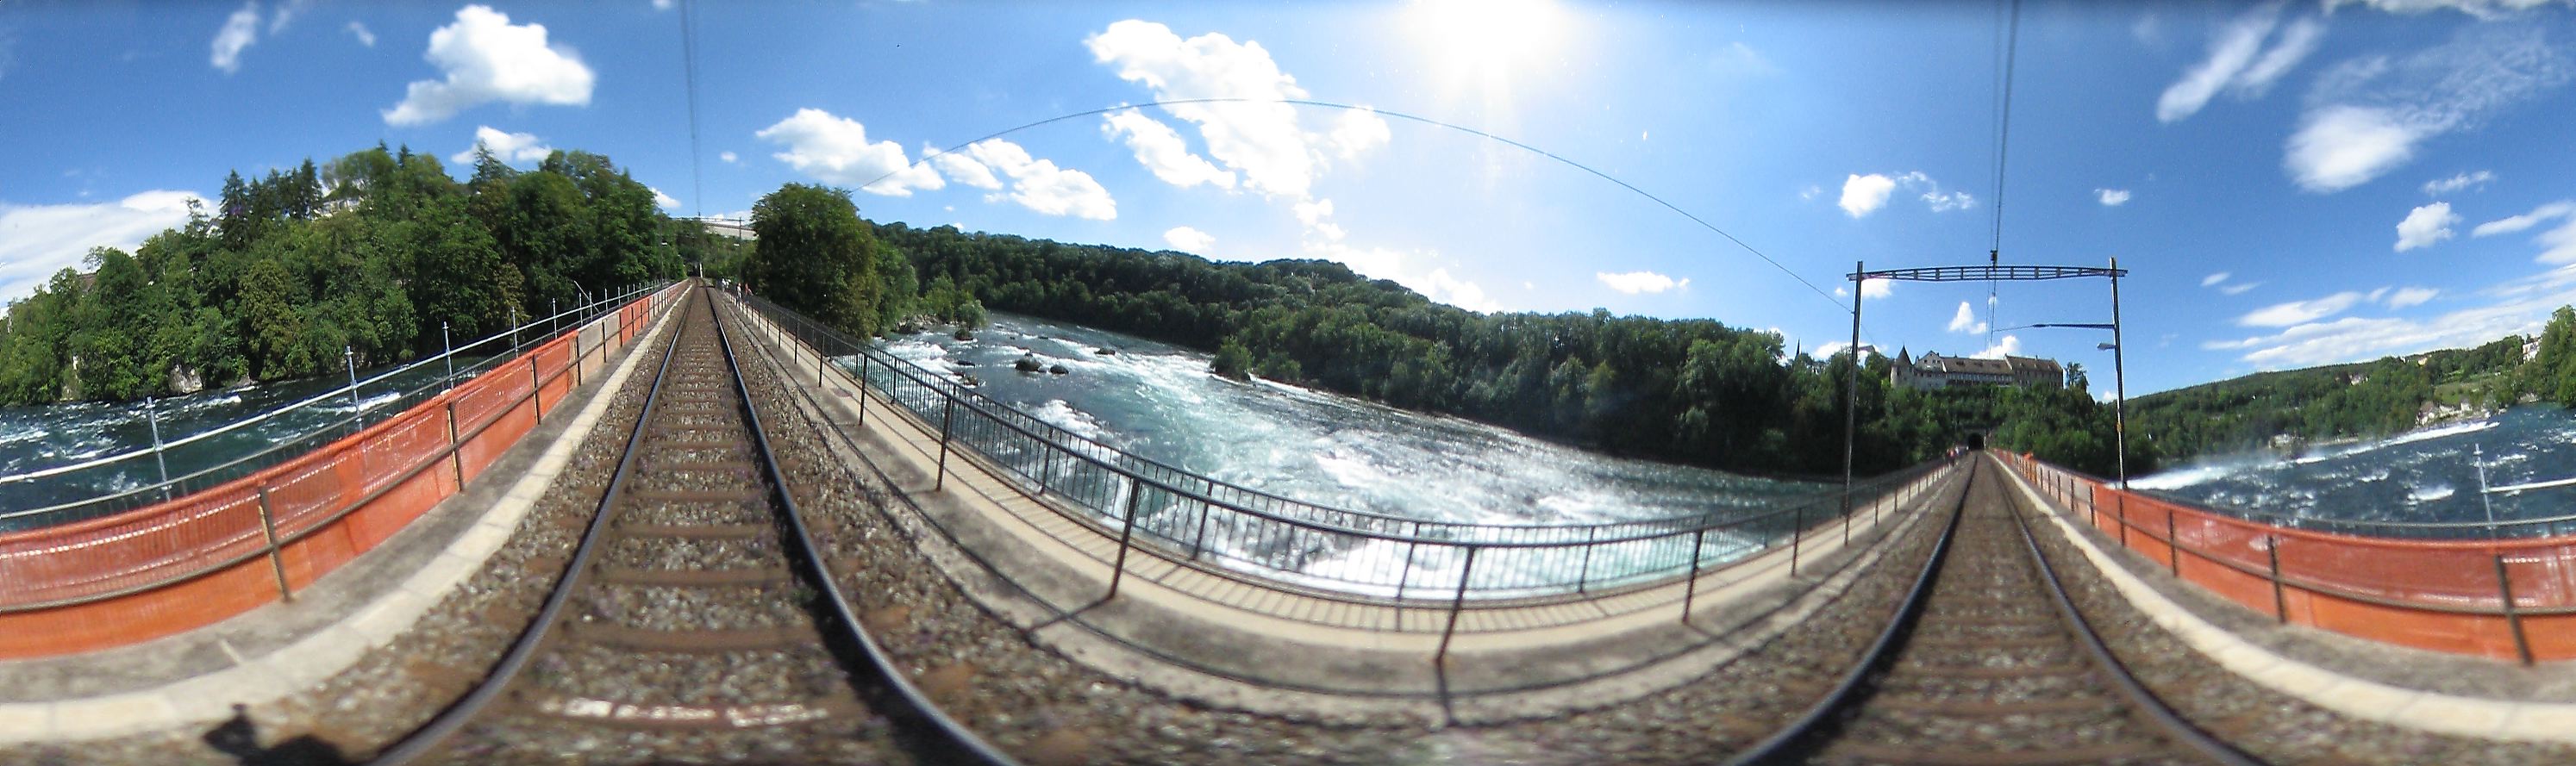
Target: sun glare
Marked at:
1484, 39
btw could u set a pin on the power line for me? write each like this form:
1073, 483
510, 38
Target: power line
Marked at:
689, 69
2003, 152
1811, 286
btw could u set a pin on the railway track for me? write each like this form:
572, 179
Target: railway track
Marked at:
1987, 662
695, 622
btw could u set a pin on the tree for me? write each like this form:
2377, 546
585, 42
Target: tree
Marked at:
815, 256
1232, 361
2075, 379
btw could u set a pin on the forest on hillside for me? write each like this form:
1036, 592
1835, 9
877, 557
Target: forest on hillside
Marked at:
1690, 391
2366, 399
370, 252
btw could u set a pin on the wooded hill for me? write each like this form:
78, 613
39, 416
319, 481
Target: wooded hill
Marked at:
371, 252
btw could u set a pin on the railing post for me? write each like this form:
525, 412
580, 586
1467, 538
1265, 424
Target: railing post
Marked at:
554, 317
2512, 613
2173, 547
1126, 533
455, 452
1797, 536
152, 418
357, 419
1690, 586
2120, 501
536, 388
276, 559
1199, 542
448, 347
1457, 604
947, 415
1410, 546
1584, 577
863, 403
2280, 601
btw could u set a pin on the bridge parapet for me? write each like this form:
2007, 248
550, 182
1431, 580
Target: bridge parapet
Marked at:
2508, 592
130, 566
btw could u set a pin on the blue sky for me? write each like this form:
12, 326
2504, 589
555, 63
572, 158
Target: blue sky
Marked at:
2291, 184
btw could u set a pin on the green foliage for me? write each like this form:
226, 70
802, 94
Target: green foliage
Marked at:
1232, 361
816, 257
2346, 400
367, 253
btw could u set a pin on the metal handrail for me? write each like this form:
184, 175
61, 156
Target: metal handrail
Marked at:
986, 406
1193, 514
357, 415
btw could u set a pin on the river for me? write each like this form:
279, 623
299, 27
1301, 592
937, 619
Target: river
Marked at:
2429, 475
1160, 402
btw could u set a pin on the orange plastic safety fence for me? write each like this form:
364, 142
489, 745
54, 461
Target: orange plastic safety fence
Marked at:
2447, 595
197, 559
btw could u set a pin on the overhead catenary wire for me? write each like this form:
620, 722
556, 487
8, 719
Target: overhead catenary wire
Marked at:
1703, 223
2011, 49
689, 74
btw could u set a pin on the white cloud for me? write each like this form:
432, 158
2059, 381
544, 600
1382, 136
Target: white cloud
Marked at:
2425, 225
2297, 312
1877, 288
836, 150
1810, 192
239, 31
1188, 239
2111, 197
286, 13
1260, 139
1966, 320
487, 59
2366, 116
1863, 195
729, 157
2238, 64
1036, 184
2441, 186
2009, 346
2538, 215
1356, 132
2411, 296
962, 168
662, 5
2556, 245
1407, 269
509, 147
2516, 307
38, 240
2239, 288
664, 201
2341, 147
359, 30
2484, 10
2214, 279
1636, 282
1161, 149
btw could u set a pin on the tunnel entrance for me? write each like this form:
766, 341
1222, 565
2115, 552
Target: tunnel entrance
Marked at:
1976, 440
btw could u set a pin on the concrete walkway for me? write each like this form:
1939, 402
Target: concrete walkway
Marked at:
193, 679
1238, 640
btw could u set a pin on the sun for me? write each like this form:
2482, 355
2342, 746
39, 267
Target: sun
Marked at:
1483, 40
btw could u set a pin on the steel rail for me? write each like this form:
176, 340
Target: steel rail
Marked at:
2140, 698
430, 736
1881, 652
1806, 735
953, 742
